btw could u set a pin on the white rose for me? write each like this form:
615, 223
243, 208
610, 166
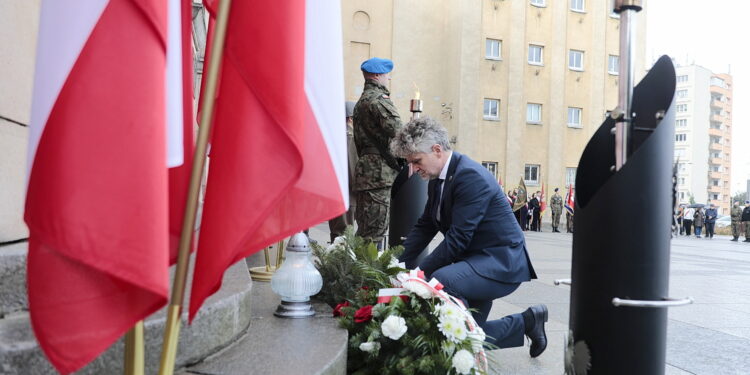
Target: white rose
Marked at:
463, 361
418, 289
393, 327
368, 346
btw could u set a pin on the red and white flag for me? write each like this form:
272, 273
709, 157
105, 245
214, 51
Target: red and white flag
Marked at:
97, 200
570, 199
278, 152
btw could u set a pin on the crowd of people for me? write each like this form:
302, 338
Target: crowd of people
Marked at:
529, 212
692, 219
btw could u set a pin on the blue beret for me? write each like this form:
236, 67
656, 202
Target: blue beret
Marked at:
377, 65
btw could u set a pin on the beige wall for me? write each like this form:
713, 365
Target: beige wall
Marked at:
19, 20
439, 45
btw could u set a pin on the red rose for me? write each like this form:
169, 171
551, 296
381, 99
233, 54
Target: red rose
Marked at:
337, 310
365, 287
363, 315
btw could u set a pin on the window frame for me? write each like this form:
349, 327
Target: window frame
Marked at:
489, 116
542, 4
539, 108
527, 172
541, 55
499, 56
577, 10
493, 164
578, 125
573, 52
615, 72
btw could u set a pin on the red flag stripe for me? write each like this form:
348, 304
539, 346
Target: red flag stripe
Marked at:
96, 201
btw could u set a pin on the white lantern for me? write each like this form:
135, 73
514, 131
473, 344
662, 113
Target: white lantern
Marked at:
296, 280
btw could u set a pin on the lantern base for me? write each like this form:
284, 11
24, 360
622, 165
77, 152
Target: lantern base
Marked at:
294, 310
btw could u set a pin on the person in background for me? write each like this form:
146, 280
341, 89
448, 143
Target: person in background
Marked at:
376, 122
687, 220
698, 219
534, 207
557, 206
680, 212
746, 220
736, 220
710, 220
338, 224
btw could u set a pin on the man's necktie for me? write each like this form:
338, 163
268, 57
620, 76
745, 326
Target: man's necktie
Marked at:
436, 193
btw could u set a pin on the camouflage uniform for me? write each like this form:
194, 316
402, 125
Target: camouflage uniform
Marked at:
376, 122
746, 221
736, 219
557, 207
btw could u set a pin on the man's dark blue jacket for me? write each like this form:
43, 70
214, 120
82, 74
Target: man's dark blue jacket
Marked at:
477, 223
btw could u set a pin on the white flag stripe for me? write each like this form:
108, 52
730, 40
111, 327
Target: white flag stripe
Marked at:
64, 27
174, 85
324, 81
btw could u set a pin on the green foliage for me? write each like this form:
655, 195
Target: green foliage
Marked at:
740, 196
350, 265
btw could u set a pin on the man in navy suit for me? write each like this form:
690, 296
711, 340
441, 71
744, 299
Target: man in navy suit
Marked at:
483, 255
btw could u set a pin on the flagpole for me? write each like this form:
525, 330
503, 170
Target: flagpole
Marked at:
134, 362
172, 330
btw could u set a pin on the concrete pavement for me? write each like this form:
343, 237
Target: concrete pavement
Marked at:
711, 336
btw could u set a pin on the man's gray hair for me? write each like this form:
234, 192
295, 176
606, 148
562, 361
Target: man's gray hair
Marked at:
419, 135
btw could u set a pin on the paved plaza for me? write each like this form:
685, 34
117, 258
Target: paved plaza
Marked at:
711, 336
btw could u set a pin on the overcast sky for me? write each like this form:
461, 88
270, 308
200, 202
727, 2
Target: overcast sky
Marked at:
713, 34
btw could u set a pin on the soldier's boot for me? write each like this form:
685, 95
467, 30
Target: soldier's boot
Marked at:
735, 239
746, 240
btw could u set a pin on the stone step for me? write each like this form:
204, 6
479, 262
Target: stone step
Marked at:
13, 278
314, 346
222, 320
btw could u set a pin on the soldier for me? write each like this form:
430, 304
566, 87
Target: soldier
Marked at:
746, 220
557, 206
375, 124
736, 220
338, 224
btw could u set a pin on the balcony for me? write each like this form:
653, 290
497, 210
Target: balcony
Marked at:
715, 147
716, 161
714, 189
714, 175
715, 132
717, 118
717, 104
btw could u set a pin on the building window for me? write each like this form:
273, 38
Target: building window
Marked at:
533, 113
493, 49
715, 197
492, 109
613, 65
539, 3
575, 60
682, 79
681, 137
681, 123
681, 94
716, 81
531, 174
577, 5
570, 176
536, 54
682, 180
682, 108
491, 166
574, 117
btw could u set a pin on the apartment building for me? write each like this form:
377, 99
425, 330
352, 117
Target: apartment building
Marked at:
521, 85
703, 136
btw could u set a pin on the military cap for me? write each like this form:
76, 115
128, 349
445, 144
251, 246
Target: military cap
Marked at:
377, 65
747, 202
349, 107
556, 190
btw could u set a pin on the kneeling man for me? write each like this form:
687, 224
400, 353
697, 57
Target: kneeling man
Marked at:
483, 255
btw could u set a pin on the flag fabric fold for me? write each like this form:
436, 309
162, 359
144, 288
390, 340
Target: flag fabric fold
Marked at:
278, 148
97, 197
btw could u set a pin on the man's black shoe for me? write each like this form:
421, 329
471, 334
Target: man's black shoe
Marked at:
536, 332
746, 240
734, 239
